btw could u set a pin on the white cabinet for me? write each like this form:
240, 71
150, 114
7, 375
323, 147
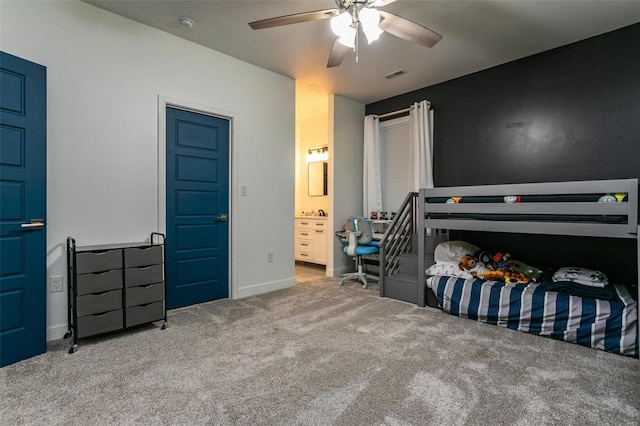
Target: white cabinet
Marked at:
311, 239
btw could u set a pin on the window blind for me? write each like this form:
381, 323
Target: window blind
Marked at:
395, 138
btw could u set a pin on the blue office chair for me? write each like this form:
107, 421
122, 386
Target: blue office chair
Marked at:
360, 243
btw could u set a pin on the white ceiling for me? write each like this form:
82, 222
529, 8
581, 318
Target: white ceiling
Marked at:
477, 35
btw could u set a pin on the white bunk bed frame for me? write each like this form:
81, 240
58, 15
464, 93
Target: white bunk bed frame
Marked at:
629, 209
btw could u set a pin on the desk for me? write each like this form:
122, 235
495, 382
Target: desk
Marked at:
379, 226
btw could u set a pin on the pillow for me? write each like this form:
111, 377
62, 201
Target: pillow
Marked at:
452, 251
582, 276
450, 269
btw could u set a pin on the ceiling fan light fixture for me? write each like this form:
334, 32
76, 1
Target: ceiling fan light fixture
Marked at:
341, 24
348, 41
370, 18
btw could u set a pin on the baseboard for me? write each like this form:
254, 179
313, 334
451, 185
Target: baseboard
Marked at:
337, 273
262, 288
56, 332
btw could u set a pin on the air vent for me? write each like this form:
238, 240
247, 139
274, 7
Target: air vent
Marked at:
394, 74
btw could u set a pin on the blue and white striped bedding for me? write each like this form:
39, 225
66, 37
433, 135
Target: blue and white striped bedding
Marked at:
609, 325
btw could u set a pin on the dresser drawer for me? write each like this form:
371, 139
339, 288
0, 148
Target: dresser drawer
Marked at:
144, 294
100, 323
143, 275
145, 313
142, 256
98, 261
99, 282
100, 302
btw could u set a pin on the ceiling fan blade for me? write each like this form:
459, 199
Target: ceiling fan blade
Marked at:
408, 30
294, 18
338, 53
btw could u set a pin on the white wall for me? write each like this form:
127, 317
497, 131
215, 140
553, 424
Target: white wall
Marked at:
346, 140
104, 76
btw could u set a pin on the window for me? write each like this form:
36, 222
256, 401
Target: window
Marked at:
395, 160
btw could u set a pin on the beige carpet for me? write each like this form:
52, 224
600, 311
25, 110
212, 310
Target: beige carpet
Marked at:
320, 354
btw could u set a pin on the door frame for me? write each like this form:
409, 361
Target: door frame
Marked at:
232, 117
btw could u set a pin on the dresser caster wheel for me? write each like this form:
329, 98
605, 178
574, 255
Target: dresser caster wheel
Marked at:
73, 349
165, 325
67, 334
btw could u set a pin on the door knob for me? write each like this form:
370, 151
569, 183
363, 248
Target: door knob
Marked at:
223, 218
34, 224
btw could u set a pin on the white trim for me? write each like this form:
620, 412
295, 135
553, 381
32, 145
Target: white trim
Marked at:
233, 117
56, 332
262, 288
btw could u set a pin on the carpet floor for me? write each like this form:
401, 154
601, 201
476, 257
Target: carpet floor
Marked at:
320, 354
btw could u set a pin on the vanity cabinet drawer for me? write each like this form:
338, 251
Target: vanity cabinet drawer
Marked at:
142, 256
145, 313
303, 223
100, 323
303, 255
319, 224
100, 302
144, 294
99, 282
143, 275
303, 245
304, 233
98, 261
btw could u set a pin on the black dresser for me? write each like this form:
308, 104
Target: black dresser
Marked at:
115, 286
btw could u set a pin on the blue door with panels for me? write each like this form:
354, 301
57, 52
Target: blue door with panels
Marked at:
197, 188
22, 209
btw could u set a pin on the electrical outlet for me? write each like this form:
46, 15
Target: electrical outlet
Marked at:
56, 284
243, 190
270, 256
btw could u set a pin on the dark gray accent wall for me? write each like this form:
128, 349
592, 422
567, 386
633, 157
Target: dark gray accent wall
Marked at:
571, 113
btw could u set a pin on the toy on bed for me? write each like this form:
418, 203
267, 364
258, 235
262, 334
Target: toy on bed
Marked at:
495, 260
455, 258
507, 276
465, 260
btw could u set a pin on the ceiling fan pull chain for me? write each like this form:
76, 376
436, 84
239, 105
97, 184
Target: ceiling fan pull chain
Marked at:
357, 42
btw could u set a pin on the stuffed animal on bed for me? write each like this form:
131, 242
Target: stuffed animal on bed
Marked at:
534, 274
494, 261
470, 264
506, 276
467, 262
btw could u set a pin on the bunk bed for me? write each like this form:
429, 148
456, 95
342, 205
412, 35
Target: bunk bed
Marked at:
602, 208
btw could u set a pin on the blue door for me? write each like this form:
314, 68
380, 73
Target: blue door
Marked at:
22, 209
197, 208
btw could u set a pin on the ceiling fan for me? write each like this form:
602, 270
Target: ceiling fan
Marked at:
348, 17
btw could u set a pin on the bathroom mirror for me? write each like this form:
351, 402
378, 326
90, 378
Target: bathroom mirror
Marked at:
317, 178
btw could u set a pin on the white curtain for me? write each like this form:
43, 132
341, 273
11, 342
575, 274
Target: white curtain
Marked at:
371, 179
421, 171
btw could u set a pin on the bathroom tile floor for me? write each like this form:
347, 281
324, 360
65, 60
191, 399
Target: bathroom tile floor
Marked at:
306, 272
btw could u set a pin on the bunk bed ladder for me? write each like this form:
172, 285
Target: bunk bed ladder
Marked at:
397, 238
